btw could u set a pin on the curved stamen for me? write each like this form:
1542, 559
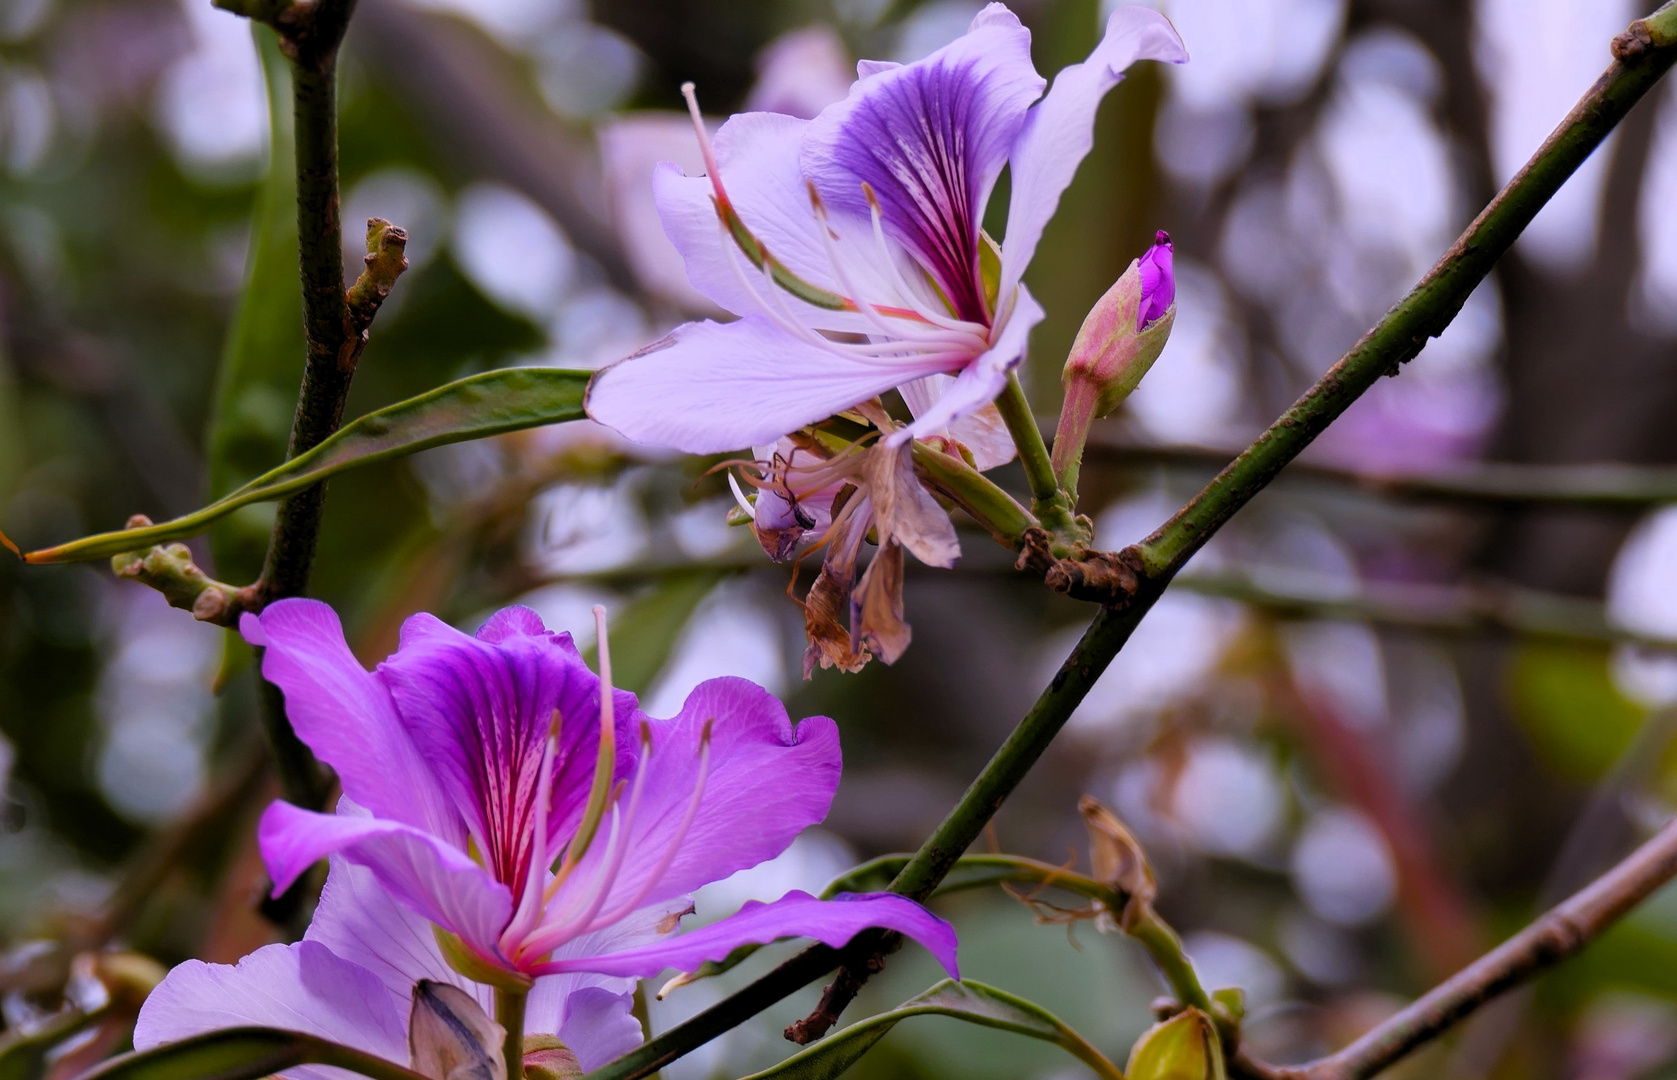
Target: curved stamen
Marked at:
839, 271
622, 835
605, 761
673, 848
705, 151
739, 497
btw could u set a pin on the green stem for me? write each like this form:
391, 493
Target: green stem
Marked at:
1077, 411
1048, 502
509, 1013
975, 493
1162, 944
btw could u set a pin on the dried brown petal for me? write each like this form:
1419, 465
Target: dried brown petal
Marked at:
876, 608
906, 511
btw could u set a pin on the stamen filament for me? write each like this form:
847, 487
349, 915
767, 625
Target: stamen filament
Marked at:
605, 760
674, 846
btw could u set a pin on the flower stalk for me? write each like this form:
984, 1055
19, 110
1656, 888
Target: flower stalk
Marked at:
509, 1013
1051, 506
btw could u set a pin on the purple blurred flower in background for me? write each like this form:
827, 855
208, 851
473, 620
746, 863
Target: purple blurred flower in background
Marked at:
487, 790
851, 244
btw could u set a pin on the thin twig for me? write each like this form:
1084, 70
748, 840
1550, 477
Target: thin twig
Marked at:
1560, 933
1642, 56
1481, 608
1605, 484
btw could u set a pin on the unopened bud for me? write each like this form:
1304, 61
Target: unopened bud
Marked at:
1120, 338
1185, 1047
547, 1058
1126, 329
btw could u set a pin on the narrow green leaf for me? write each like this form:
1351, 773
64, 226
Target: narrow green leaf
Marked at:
493, 403
245, 1053
262, 357
969, 1001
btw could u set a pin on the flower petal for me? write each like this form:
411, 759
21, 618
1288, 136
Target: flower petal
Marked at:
982, 432
906, 512
1061, 129
757, 155
479, 709
797, 914
434, 879
982, 381
360, 921
594, 1014
930, 138
346, 716
301, 987
766, 783
710, 388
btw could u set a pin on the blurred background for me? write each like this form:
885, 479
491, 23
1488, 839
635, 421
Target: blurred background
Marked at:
1342, 806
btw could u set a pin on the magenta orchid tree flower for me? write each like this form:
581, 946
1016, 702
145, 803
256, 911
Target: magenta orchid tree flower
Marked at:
352, 979
851, 245
498, 789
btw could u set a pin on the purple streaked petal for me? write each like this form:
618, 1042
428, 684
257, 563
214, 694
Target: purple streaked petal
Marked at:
1057, 136
797, 914
930, 138
479, 709
426, 874
301, 987
757, 155
766, 783
982, 381
345, 715
710, 387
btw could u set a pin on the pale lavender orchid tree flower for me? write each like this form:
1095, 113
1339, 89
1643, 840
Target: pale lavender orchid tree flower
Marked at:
497, 788
851, 245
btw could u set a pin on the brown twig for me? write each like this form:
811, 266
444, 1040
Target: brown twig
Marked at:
1561, 932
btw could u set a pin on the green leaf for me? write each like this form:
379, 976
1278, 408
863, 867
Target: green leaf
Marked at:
493, 403
969, 1001
262, 358
245, 1053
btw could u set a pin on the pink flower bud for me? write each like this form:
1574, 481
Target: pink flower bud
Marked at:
1126, 329
1121, 337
